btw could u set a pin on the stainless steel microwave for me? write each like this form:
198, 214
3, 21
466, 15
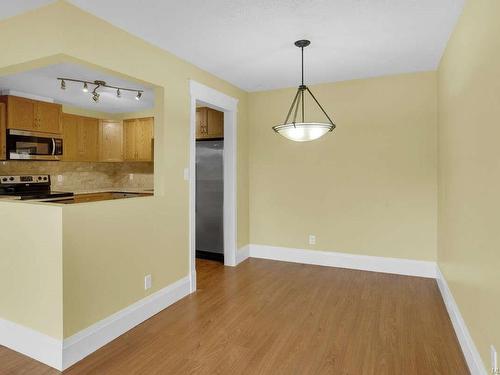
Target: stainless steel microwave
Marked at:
28, 145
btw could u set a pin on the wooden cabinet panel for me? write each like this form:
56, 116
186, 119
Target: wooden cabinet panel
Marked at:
138, 139
201, 123
111, 141
48, 117
70, 137
33, 115
215, 121
3, 132
81, 137
209, 123
129, 139
21, 113
144, 139
89, 139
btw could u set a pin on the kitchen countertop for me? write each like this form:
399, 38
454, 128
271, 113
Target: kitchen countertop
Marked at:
109, 190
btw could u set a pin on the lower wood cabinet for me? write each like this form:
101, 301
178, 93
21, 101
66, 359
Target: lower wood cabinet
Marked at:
81, 138
138, 136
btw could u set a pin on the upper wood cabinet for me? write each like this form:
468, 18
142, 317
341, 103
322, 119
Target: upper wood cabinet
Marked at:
81, 138
3, 145
33, 115
209, 123
138, 139
111, 141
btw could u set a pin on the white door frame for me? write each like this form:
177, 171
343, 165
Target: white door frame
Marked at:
222, 102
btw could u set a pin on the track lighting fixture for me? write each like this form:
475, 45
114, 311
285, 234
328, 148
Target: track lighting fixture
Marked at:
98, 84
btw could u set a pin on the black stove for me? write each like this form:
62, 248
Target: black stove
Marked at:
29, 187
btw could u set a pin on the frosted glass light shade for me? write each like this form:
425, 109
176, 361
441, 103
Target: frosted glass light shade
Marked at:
303, 131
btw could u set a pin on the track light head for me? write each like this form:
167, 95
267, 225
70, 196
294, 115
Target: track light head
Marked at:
118, 93
63, 84
85, 87
138, 96
95, 96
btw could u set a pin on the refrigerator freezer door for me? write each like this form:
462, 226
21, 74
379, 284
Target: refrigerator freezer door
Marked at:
209, 196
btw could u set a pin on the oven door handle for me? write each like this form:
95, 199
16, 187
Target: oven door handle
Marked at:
53, 146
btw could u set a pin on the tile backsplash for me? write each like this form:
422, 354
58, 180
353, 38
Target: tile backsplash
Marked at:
84, 176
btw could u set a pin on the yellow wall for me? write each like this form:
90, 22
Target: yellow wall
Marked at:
63, 30
109, 247
368, 188
31, 266
469, 170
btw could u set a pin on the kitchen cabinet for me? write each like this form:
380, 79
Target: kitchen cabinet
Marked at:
81, 138
138, 139
111, 141
209, 123
33, 115
3, 144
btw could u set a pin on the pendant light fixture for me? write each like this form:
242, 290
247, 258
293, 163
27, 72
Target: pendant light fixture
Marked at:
302, 131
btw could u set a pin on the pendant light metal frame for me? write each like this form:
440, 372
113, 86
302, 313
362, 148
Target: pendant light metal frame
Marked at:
298, 103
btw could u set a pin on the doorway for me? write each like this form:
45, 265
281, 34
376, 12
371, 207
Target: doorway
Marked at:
209, 205
205, 97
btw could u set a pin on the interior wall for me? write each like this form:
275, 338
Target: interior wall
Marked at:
368, 188
66, 33
31, 267
469, 170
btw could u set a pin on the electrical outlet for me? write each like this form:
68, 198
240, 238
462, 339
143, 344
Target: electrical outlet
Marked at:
60, 178
130, 176
312, 239
147, 282
494, 361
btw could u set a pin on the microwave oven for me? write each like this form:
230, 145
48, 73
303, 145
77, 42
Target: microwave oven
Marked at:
28, 145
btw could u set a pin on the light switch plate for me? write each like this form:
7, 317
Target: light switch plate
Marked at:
186, 174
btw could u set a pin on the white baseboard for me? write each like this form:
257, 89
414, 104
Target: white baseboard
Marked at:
474, 361
34, 344
61, 354
343, 260
242, 254
99, 334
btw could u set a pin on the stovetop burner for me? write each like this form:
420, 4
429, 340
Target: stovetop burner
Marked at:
28, 187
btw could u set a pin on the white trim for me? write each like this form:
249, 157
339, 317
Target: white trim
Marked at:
85, 342
242, 254
61, 354
34, 344
469, 349
222, 102
333, 259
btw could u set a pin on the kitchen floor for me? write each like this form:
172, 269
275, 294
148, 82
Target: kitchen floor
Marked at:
268, 317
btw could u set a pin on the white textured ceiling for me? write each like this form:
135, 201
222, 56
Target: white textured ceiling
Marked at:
43, 82
250, 43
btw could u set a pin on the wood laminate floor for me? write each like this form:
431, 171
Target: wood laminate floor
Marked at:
267, 317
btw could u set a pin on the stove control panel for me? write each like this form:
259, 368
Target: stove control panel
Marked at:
26, 179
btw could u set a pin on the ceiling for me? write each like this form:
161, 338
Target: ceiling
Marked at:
250, 43
43, 82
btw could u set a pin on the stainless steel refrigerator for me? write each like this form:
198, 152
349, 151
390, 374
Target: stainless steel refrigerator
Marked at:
209, 199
